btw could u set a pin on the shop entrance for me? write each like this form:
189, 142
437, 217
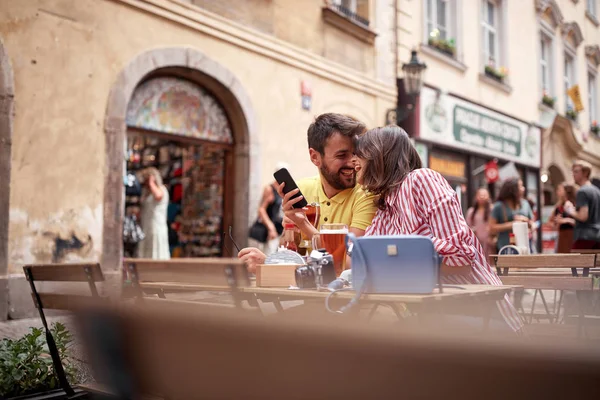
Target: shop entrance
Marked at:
453, 167
179, 132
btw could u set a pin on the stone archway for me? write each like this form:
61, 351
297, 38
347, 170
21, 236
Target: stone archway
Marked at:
556, 175
7, 95
226, 88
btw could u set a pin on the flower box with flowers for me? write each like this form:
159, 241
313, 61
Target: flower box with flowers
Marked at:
548, 100
446, 46
571, 114
443, 46
496, 74
594, 128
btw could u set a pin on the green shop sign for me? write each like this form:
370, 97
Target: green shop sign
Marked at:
481, 130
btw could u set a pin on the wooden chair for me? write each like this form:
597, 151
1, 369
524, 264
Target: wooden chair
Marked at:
188, 275
211, 355
547, 272
90, 273
595, 252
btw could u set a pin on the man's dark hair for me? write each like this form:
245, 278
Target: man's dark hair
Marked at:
325, 125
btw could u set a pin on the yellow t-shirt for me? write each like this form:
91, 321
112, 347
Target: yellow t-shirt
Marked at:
352, 207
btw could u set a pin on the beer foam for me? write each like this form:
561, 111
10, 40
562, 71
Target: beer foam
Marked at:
330, 231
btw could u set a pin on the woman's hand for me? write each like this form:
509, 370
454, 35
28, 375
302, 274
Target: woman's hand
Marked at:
154, 189
252, 257
569, 208
272, 233
520, 218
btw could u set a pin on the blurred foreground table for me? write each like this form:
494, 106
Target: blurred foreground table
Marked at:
478, 300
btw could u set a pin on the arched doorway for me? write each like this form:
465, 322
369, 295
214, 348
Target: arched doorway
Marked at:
555, 178
6, 119
194, 66
180, 130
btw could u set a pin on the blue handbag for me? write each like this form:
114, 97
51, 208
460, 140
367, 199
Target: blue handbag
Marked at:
393, 264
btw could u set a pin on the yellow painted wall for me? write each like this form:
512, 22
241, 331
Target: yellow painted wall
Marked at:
66, 55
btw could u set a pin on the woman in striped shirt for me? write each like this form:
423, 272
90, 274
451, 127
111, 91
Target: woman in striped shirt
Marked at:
419, 201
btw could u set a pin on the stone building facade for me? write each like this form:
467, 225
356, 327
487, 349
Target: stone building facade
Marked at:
508, 65
69, 70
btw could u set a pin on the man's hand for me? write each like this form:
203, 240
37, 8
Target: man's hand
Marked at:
296, 215
563, 221
252, 257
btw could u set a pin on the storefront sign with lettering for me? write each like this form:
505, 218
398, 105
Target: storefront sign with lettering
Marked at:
458, 123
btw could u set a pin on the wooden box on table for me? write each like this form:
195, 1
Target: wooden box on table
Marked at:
276, 275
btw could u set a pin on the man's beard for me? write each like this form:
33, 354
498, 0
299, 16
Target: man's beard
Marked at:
336, 180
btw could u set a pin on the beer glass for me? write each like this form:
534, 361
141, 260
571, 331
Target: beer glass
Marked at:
312, 212
332, 237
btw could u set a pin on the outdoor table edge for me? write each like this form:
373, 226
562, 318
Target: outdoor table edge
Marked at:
299, 294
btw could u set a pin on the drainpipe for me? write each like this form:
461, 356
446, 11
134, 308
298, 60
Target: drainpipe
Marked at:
396, 40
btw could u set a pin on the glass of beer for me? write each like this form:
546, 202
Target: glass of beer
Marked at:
312, 212
332, 237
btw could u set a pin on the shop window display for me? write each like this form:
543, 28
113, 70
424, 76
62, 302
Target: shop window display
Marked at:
180, 129
194, 177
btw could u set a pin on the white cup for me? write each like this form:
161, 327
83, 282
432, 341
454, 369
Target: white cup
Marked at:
521, 231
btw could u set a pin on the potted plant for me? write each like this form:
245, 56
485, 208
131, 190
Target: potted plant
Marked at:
548, 100
26, 369
497, 74
446, 46
571, 113
594, 128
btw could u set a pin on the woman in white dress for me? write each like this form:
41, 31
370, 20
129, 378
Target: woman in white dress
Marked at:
154, 218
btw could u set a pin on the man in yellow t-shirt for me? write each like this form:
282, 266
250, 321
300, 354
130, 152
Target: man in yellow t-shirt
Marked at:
331, 148
352, 206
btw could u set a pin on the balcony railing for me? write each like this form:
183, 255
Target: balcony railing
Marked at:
350, 14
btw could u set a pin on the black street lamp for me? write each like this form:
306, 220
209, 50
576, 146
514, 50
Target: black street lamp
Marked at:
413, 82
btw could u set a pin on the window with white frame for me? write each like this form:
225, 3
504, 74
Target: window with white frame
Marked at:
592, 97
569, 78
440, 28
546, 64
591, 7
491, 30
438, 19
348, 4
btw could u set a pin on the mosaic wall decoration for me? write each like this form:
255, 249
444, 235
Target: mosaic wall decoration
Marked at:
178, 106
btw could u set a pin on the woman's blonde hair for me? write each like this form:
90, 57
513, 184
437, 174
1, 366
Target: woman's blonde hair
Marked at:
151, 171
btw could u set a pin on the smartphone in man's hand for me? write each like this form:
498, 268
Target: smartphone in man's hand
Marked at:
283, 176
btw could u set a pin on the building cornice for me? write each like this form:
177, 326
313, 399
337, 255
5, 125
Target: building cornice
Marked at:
542, 5
593, 52
259, 43
573, 27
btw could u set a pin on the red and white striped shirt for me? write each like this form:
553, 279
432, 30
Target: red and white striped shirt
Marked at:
425, 204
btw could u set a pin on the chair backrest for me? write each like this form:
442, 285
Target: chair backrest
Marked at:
596, 252
545, 261
82, 272
169, 352
215, 274
196, 271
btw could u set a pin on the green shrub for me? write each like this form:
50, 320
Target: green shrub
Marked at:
26, 365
